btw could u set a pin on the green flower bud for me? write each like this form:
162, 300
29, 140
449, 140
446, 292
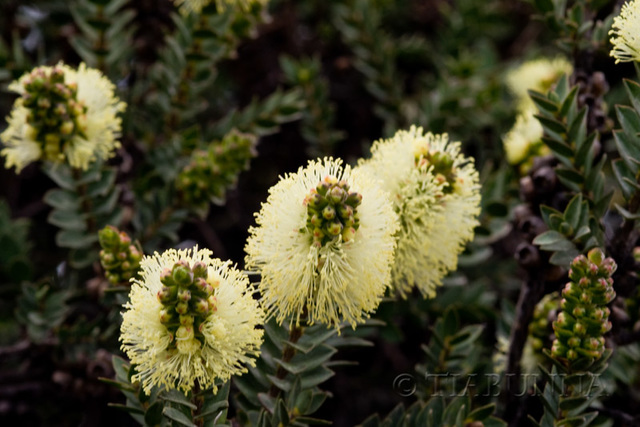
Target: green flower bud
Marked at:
202, 306
213, 304
199, 270
184, 333
182, 275
186, 320
334, 228
66, 128
201, 284
348, 234
354, 199
182, 308
184, 294
337, 195
329, 212
166, 294
166, 278
322, 188
165, 316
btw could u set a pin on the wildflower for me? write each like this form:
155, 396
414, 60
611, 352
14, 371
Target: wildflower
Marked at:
324, 245
436, 194
538, 75
524, 140
626, 33
196, 6
190, 317
61, 115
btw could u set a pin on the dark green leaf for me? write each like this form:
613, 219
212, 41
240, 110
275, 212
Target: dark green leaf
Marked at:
126, 408
482, 412
177, 416
542, 102
212, 410
548, 238
624, 177
628, 150
61, 175
558, 147
103, 184
633, 90
175, 396
569, 102
68, 220
570, 175
551, 124
267, 401
630, 122
153, 414
573, 211
75, 239
316, 377
62, 199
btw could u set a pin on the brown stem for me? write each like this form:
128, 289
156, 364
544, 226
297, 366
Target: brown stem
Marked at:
287, 354
199, 402
530, 294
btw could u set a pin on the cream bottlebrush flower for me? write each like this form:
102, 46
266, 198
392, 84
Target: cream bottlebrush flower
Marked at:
626, 33
196, 6
524, 139
539, 75
190, 317
436, 194
62, 114
324, 245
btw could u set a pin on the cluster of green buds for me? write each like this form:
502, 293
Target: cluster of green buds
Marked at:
584, 319
441, 164
120, 257
55, 114
187, 299
332, 211
211, 172
540, 328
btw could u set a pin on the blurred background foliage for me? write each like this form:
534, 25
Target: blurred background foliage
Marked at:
264, 92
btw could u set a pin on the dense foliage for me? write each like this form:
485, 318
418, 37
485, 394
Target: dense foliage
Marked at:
536, 320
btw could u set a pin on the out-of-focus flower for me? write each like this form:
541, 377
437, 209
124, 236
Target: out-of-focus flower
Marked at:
626, 33
324, 245
539, 75
524, 140
119, 256
62, 114
436, 194
190, 318
211, 172
196, 6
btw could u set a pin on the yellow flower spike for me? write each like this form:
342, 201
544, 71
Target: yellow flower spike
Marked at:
626, 33
79, 124
539, 75
206, 346
436, 194
307, 270
524, 140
